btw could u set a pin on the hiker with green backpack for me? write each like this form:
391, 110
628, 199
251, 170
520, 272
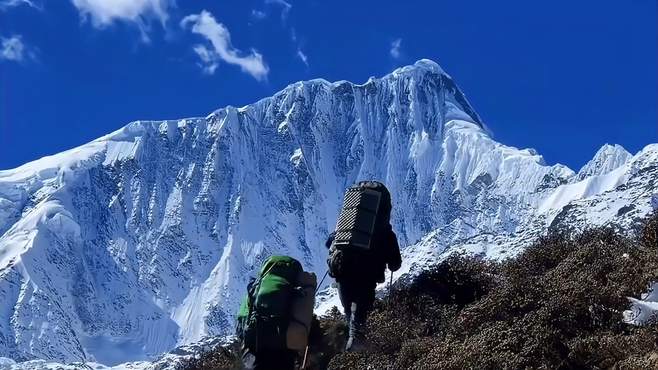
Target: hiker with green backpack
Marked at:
361, 247
274, 320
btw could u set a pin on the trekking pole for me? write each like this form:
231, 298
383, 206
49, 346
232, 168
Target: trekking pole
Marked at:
305, 358
321, 281
304, 362
390, 287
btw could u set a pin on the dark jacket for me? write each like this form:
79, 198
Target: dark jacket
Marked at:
387, 254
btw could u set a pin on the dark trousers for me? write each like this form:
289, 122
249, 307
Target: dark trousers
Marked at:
269, 360
357, 298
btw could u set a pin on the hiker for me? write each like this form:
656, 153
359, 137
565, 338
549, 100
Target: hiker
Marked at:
275, 317
360, 249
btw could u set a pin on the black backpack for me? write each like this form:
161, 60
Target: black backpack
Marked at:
365, 214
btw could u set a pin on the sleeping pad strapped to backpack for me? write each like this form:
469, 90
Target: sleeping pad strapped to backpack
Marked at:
365, 215
277, 303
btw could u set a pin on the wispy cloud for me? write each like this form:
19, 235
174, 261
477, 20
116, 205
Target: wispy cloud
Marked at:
103, 13
14, 49
258, 14
395, 48
302, 56
7, 4
285, 7
209, 62
219, 38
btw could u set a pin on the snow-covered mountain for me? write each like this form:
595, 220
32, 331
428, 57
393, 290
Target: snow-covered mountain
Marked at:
144, 239
607, 159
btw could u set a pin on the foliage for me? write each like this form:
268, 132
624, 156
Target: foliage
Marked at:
558, 305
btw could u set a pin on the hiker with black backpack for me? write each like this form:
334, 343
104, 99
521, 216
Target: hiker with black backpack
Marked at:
361, 247
275, 317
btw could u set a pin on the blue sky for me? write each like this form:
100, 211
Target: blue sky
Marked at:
563, 77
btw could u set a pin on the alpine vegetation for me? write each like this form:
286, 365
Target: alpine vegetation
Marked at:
144, 240
558, 305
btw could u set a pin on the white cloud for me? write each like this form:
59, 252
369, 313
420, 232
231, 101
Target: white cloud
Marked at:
302, 56
219, 37
395, 48
285, 7
13, 49
7, 4
105, 12
210, 63
258, 14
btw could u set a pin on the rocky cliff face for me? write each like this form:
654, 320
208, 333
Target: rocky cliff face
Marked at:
145, 239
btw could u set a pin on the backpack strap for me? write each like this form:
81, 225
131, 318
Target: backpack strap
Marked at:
253, 288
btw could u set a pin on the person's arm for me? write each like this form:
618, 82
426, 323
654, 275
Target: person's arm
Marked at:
394, 260
330, 239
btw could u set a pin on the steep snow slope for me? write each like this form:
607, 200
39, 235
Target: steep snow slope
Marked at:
621, 199
144, 239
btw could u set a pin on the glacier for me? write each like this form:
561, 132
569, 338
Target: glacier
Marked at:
143, 240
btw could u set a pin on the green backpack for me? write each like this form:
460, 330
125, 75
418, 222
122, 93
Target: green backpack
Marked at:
264, 314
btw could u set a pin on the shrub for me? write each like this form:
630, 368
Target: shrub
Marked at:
557, 305
217, 359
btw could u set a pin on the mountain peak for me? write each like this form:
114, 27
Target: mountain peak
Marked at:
607, 159
424, 82
423, 65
